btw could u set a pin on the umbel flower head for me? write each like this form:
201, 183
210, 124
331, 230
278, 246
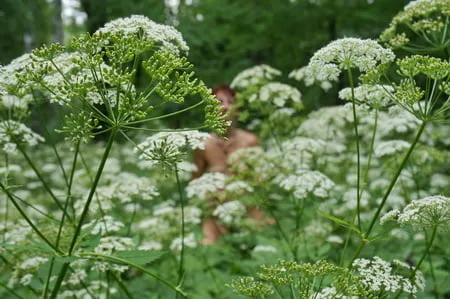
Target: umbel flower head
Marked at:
254, 76
343, 54
420, 18
164, 36
376, 96
167, 148
422, 213
13, 133
378, 276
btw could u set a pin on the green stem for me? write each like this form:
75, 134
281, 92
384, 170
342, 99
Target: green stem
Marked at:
69, 191
369, 162
181, 265
47, 282
358, 162
427, 251
11, 291
96, 256
122, 286
84, 213
425, 254
38, 174
93, 188
167, 115
28, 220
388, 192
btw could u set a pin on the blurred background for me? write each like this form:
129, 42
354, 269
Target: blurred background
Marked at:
225, 36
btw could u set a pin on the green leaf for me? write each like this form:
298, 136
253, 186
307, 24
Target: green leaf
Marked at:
140, 257
341, 222
39, 247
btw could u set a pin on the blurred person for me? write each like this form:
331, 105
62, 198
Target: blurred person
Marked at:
215, 155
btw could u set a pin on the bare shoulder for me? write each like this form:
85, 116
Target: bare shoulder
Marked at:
248, 137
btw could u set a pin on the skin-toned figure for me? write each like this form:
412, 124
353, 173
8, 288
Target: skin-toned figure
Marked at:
214, 157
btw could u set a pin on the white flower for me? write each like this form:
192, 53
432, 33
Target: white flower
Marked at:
378, 275
330, 293
343, 54
12, 132
151, 245
230, 212
238, 187
278, 94
264, 248
168, 147
306, 182
26, 279
373, 95
391, 147
166, 36
335, 239
189, 241
108, 245
254, 75
33, 264
105, 225
427, 212
206, 184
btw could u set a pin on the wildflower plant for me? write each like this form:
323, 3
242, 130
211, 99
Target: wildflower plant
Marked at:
92, 86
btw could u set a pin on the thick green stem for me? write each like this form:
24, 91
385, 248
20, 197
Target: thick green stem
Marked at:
388, 192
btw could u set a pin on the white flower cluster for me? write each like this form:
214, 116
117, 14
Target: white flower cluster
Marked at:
106, 224
2, 87
17, 65
239, 187
206, 184
108, 245
189, 241
264, 248
391, 147
308, 74
277, 94
421, 213
298, 152
12, 132
14, 102
326, 64
330, 293
230, 212
397, 120
33, 264
326, 123
167, 147
376, 96
254, 75
168, 37
307, 182
126, 185
376, 275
